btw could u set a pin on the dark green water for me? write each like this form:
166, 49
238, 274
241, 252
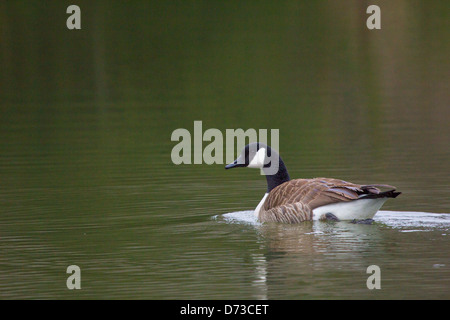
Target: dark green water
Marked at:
86, 176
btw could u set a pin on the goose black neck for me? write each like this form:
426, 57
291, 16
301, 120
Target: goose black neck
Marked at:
280, 177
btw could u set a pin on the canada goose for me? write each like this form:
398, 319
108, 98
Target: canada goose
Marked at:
293, 201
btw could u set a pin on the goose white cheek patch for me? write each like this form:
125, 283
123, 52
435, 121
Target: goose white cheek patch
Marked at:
261, 159
258, 159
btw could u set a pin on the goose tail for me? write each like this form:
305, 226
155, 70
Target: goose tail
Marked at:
384, 194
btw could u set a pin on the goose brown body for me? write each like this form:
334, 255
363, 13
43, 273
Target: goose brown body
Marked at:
295, 200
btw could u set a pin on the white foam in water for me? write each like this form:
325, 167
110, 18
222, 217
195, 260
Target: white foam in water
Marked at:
245, 217
408, 219
404, 220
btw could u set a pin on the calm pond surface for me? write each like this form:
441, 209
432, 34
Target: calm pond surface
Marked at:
86, 176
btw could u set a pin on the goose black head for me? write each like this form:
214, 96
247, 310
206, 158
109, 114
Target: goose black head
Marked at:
254, 155
261, 156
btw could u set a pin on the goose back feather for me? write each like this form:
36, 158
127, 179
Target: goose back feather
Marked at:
295, 200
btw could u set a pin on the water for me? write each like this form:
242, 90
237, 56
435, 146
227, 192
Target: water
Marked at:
329, 260
86, 176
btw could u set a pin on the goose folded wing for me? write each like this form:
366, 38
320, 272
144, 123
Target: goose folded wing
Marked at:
319, 192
